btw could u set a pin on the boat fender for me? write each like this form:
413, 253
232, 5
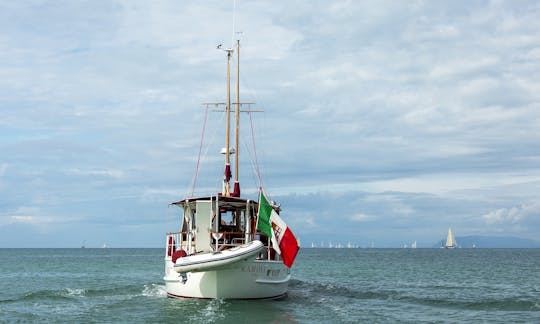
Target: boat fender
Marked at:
178, 254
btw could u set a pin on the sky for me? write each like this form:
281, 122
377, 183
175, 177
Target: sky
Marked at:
385, 122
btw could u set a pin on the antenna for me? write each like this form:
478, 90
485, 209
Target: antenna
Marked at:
233, 23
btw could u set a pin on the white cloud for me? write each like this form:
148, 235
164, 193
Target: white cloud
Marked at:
27, 215
462, 66
32, 220
360, 217
513, 215
117, 174
418, 98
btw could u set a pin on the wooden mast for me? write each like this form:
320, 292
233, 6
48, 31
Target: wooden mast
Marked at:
227, 174
236, 190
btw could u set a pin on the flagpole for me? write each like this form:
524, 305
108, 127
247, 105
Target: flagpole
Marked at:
258, 209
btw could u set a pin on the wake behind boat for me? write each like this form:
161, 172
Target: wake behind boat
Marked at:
229, 246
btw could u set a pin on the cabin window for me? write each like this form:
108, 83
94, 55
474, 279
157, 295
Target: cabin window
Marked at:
227, 218
232, 220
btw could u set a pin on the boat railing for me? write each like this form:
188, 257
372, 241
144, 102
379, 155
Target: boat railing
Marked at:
170, 244
179, 240
227, 239
176, 241
238, 240
268, 252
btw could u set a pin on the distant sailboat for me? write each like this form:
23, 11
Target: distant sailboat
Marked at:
413, 245
450, 240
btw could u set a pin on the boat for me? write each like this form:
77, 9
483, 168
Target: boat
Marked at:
450, 240
229, 246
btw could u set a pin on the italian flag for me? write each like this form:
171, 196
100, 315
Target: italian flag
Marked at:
271, 224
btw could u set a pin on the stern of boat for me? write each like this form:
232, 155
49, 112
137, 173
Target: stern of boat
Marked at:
248, 279
256, 277
171, 247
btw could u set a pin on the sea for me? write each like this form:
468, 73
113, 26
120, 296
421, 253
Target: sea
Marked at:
328, 286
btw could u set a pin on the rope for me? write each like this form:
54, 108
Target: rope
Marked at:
200, 150
253, 174
255, 151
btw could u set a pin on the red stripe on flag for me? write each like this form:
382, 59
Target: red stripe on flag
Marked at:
289, 247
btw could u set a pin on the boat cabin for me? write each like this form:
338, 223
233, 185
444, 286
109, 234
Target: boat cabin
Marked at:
216, 223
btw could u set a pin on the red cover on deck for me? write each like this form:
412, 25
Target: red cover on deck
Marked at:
178, 254
236, 190
228, 173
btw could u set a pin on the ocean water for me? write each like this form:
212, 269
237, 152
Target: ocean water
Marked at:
328, 286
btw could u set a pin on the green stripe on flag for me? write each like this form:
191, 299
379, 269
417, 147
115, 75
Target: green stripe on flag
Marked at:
265, 210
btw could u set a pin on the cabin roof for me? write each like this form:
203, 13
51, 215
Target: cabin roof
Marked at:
233, 201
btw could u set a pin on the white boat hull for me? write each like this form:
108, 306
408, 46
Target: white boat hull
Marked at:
246, 279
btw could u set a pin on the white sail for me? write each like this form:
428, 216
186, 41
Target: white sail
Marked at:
450, 240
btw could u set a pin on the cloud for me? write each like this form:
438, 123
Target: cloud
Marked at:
362, 218
31, 220
387, 114
106, 173
462, 66
513, 215
28, 216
